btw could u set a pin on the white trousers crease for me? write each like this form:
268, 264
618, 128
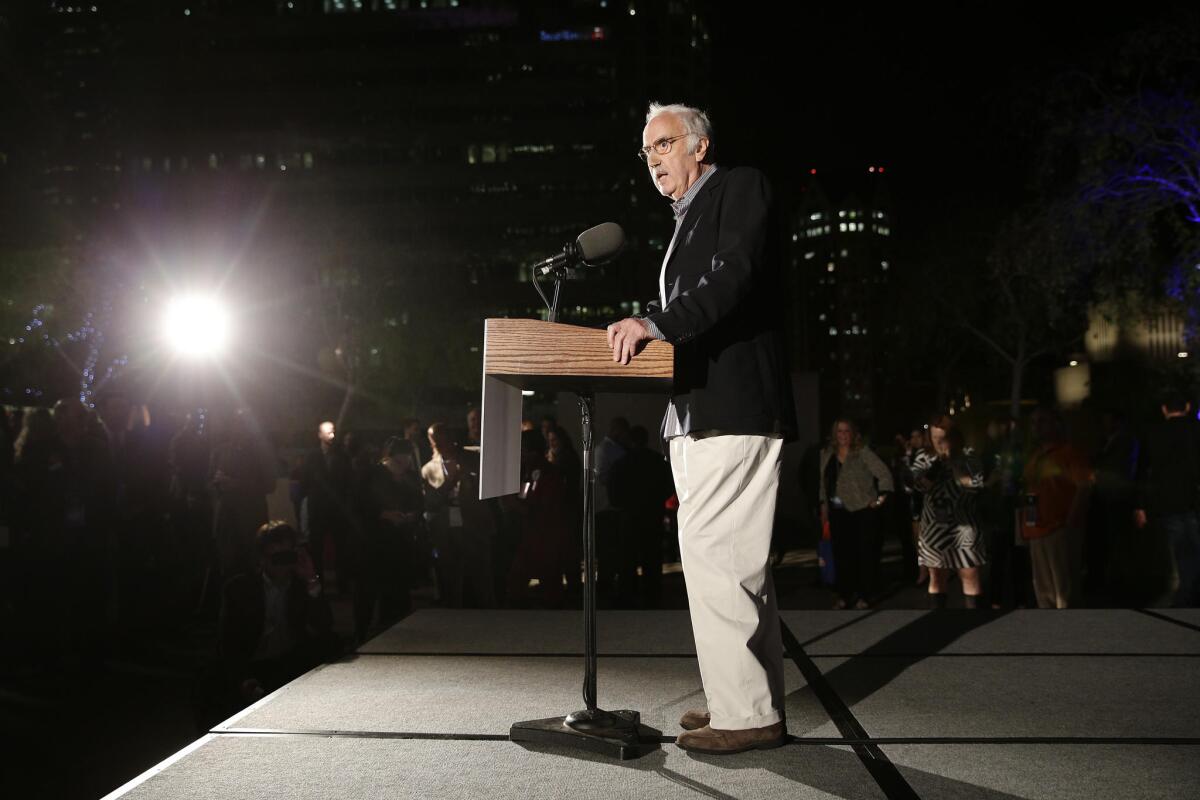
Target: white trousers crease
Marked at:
726, 487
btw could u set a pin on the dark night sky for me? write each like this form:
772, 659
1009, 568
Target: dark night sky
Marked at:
932, 93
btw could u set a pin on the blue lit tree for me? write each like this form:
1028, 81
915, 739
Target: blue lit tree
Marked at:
56, 325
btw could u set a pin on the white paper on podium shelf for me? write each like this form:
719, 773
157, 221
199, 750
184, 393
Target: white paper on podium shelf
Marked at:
499, 439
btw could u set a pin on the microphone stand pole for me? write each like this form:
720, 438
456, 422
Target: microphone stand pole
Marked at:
612, 733
558, 282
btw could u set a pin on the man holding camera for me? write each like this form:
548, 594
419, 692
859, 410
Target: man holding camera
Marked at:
275, 624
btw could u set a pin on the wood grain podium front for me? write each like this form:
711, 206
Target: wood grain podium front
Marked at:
551, 357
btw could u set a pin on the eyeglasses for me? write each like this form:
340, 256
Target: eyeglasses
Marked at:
662, 147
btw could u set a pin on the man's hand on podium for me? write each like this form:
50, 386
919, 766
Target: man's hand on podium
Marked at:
626, 338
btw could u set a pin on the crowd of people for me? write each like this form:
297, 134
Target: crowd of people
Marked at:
1023, 521
117, 524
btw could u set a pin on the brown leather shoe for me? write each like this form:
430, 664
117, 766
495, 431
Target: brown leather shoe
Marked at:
715, 741
693, 718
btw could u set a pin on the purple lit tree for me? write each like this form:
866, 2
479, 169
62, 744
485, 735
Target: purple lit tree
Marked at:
1152, 183
1123, 142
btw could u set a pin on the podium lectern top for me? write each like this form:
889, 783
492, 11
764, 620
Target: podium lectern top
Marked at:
550, 356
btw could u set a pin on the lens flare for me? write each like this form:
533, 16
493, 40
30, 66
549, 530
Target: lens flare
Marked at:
196, 326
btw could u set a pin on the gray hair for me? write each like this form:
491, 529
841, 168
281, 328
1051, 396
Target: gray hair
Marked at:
695, 122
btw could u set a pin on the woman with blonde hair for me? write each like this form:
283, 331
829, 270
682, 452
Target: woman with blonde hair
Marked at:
950, 475
854, 484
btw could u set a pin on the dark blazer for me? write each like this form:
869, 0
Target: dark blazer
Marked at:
1168, 474
326, 484
724, 311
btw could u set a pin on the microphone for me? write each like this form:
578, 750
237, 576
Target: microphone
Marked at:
594, 246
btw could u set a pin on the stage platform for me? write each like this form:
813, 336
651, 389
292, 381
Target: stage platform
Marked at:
880, 704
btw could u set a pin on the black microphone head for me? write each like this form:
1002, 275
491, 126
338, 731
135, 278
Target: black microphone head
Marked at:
601, 243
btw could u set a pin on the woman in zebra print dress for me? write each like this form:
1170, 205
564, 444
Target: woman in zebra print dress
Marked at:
950, 475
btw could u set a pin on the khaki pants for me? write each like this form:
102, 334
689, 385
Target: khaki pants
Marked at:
1055, 559
726, 487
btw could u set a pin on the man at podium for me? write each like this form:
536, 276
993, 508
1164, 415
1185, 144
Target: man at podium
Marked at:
730, 409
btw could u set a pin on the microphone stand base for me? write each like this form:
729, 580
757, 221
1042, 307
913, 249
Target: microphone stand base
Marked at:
616, 734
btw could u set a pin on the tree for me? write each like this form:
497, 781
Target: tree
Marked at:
59, 325
1124, 144
1036, 290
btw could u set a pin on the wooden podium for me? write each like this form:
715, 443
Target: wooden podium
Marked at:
551, 357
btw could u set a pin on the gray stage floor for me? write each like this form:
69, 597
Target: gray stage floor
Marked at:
881, 704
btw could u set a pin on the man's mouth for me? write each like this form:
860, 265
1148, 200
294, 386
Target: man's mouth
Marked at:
659, 175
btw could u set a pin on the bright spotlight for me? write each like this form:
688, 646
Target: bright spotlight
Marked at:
196, 325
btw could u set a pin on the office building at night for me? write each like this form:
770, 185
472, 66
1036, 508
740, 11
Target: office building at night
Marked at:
383, 173
842, 265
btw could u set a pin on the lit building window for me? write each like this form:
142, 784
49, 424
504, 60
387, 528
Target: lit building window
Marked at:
308, 160
472, 154
842, 214
832, 331
260, 161
808, 255
212, 161
816, 216
842, 227
845, 253
883, 265
829, 267
828, 229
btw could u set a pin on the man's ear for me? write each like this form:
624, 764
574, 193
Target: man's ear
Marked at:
702, 150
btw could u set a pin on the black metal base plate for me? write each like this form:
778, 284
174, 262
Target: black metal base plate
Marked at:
616, 734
